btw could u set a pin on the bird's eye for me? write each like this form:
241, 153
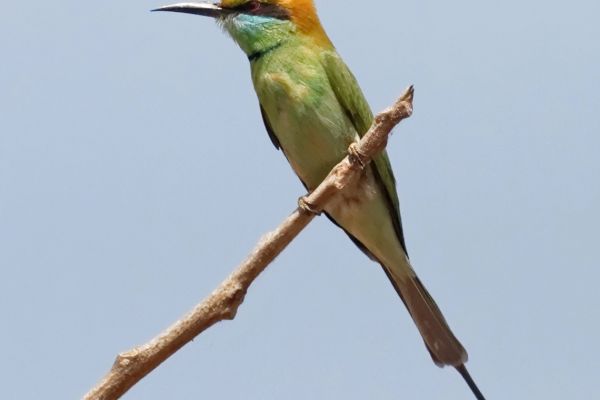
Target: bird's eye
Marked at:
261, 8
251, 7
254, 6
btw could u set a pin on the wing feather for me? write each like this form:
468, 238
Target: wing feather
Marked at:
352, 99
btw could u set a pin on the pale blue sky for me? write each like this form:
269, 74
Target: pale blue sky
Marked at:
135, 173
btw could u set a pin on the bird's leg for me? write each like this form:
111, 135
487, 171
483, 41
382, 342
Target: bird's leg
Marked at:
308, 208
355, 156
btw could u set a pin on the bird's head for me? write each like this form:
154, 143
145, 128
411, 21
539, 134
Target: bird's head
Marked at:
257, 25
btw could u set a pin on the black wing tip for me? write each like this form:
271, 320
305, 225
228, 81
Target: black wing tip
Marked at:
462, 370
269, 129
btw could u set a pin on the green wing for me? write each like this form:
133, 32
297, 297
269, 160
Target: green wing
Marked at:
353, 101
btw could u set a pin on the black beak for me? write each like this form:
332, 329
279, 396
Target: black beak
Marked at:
206, 9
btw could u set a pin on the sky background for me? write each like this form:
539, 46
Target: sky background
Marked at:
135, 174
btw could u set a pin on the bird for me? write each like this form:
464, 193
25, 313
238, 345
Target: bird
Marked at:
313, 110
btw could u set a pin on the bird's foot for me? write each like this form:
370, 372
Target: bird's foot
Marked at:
308, 208
355, 156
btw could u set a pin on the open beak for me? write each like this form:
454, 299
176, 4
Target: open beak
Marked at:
206, 9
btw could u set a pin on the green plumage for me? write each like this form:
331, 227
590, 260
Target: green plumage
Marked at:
314, 110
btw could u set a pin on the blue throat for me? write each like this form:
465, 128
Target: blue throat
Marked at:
258, 35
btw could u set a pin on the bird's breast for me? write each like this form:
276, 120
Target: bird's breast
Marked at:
302, 109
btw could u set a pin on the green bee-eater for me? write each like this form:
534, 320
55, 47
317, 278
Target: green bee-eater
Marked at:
313, 109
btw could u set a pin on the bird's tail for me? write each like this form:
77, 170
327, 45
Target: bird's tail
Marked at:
444, 347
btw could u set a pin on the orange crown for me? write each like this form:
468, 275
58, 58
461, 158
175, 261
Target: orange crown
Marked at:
302, 12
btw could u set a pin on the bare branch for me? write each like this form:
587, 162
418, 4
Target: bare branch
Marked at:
131, 366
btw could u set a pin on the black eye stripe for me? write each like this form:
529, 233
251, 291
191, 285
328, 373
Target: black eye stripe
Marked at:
263, 9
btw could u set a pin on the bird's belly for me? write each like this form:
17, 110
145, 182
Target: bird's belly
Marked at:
361, 209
